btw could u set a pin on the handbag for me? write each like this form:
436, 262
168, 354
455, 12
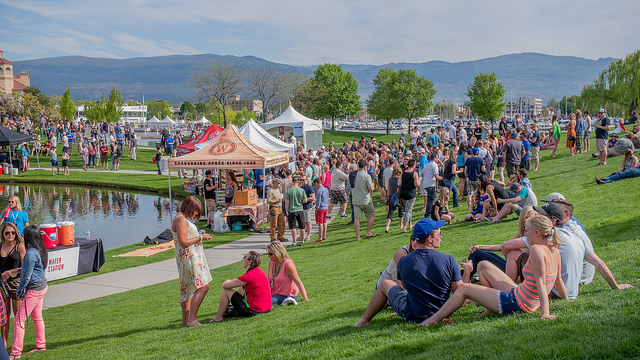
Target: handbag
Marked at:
3, 289
571, 137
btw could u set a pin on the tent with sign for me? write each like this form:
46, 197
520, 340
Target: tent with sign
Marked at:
229, 150
153, 123
307, 131
211, 133
259, 136
9, 137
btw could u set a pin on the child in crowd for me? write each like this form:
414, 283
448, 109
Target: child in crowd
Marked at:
478, 199
65, 163
440, 208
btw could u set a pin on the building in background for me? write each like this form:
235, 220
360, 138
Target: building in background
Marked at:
255, 106
130, 113
8, 81
528, 108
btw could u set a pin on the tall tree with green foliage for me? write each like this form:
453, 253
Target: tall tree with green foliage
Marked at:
619, 84
414, 94
187, 109
67, 109
158, 108
383, 102
113, 106
94, 110
338, 92
486, 97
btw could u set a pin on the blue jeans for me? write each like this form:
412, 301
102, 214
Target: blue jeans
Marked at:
277, 299
451, 185
158, 164
431, 197
490, 256
635, 172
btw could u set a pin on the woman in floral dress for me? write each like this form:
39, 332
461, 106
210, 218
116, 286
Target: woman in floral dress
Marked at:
193, 269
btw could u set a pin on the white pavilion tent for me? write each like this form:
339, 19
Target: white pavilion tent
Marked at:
307, 131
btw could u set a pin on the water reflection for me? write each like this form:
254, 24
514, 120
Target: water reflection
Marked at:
118, 218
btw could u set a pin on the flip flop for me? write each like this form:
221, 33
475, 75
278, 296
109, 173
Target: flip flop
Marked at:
371, 236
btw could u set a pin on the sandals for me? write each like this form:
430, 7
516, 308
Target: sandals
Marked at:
36, 350
371, 236
193, 323
15, 357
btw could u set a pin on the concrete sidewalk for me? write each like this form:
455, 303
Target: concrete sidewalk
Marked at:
134, 278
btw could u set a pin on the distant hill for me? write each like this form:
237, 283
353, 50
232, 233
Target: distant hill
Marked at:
167, 77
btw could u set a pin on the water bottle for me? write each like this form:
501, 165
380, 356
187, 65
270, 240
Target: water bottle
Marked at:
88, 234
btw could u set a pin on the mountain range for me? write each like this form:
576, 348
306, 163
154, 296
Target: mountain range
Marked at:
168, 77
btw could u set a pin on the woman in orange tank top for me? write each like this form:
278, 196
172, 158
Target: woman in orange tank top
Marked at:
283, 277
498, 293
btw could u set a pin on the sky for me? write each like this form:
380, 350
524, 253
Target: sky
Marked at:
305, 32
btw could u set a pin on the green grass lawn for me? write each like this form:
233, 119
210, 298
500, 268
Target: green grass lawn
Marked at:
340, 276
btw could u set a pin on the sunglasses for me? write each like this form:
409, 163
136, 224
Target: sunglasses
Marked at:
9, 232
270, 254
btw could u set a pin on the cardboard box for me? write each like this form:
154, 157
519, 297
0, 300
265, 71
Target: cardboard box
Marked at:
246, 197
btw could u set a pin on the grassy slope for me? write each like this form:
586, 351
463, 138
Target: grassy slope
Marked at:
340, 276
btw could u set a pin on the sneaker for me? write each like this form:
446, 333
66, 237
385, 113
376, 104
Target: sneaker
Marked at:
474, 279
343, 216
600, 181
289, 301
329, 216
308, 238
317, 241
292, 245
300, 243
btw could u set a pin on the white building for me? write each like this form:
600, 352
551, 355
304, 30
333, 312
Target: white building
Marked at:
130, 114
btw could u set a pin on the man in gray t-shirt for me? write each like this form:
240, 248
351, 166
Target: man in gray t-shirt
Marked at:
337, 193
362, 200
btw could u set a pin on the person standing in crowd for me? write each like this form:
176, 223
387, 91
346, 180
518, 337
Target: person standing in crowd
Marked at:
571, 134
322, 204
579, 131
133, 145
586, 143
602, 126
12, 251
54, 161
31, 289
193, 269
525, 162
14, 214
429, 179
210, 187
473, 168
283, 276
293, 199
408, 182
307, 207
168, 143
363, 201
158, 158
253, 296
534, 139
555, 135
337, 191
230, 188
512, 153
276, 217
104, 156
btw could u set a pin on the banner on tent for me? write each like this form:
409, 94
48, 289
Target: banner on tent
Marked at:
296, 129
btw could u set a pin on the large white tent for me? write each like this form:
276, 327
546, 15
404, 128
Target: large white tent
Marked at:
306, 130
259, 136
203, 121
167, 122
153, 123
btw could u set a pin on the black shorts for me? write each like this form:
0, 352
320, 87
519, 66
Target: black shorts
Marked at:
296, 217
461, 175
239, 307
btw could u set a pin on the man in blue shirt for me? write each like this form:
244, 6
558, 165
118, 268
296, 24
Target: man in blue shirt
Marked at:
168, 144
434, 139
425, 276
473, 168
534, 139
258, 175
525, 163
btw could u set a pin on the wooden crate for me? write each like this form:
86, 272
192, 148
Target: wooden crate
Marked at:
246, 197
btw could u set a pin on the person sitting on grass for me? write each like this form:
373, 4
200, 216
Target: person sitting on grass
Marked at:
499, 294
440, 208
630, 168
283, 276
425, 278
253, 296
478, 212
525, 197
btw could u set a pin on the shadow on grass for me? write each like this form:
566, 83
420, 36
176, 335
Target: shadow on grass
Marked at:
615, 231
122, 334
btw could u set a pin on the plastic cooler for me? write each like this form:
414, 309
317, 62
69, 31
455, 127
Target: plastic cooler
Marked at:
66, 233
49, 235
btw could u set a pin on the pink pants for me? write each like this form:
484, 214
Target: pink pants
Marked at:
31, 305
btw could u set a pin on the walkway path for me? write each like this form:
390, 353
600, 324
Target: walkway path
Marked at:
137, 277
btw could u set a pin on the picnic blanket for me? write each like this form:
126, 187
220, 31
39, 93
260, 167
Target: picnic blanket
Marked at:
150, 250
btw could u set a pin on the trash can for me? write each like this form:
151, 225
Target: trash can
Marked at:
164, 164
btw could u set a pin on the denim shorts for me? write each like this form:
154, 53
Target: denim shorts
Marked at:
507, 303
398, 300
277, 299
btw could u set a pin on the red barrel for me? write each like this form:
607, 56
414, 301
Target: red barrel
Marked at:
49, 235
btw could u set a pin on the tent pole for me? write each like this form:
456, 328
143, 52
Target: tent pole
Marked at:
11, 161
170, 198
264, 177
204, 196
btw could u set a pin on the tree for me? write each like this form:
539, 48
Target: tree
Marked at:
67, 109
201, 108
414, 94
158, 108
486, 97
187, 108
383, 102
266, 85
113, 106
94, 110
337, 92
619, 84
218, 83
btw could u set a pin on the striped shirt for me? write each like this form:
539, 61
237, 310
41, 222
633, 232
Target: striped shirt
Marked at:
527, 292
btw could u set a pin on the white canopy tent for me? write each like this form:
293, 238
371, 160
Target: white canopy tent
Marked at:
167, 122
259, 136
153, 123
203, 121
307, 131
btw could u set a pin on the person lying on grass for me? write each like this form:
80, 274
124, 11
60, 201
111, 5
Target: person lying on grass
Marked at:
499, 294
253, 296
426, 277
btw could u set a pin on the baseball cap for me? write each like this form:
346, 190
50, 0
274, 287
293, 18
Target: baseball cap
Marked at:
514, 134
425, 226
475, 151
421, 150
515, 186
551, 210
601, 111
554, 196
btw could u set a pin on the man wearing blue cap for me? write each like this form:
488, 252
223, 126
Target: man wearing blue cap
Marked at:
426, 277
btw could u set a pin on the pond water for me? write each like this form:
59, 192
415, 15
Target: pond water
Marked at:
119, 218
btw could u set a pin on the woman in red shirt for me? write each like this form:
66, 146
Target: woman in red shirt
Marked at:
253, 296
